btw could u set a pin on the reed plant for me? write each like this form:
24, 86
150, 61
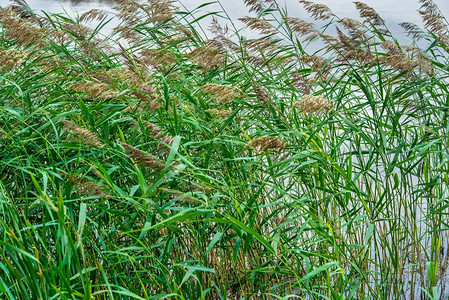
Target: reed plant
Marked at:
160, 160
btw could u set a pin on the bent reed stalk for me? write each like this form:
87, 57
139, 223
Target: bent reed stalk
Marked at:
156, 162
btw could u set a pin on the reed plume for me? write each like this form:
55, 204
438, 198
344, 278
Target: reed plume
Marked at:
443, 39
94, 90
261, 25
179, 194
408, 61
144, 105
313, 105
160, 59
412, 30
221, 32
316, 63
258, 6
126, 7
264, 45
159, 11
261, 95
300, 26
93, 14
432, 18
369, 14
142, 158
22, 9
255, 60
351, 49
85, 136
220, 113
266, 143
221, 92
22, 31
350, 24
317, 11
301, 83
11, 59
86, 187
207, 57
165, 140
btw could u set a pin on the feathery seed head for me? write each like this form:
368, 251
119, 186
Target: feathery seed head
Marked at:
86, 187
207, 57
142, 158
432, 18
300, 26
220, 113
266, 143
314, 105
85, 136
316, 63
11, 59
317, 11
369, 14
258, 6
94, 90
261, 25
301, 83
93, 14
22, 31
157, 133
412, 30
222, 92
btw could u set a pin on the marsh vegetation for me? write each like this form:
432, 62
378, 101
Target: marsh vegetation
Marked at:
156, 162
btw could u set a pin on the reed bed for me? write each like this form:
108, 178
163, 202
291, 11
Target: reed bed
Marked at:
156, 162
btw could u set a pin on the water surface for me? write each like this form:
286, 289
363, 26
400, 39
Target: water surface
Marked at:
393, 11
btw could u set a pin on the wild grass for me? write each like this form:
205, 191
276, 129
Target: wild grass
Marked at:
159, 163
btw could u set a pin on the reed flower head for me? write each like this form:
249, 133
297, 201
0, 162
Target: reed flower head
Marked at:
267, 143
350, 24
222, 92
85, 136
158, 133
11, 59
255, 60
266, 45
391, 47
159, 11
207, 57
258, 6
433, 20
315, 105
300, 26
317, 11
300, 82
22, 31
160, 59
93, 14
127, 7
412, 30
443, 39
142, 158
316, 63
94, 90
261, 95
85, 186
261, 25
220, 113
369, 14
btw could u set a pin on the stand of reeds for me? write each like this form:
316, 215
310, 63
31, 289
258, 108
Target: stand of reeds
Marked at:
157, 162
